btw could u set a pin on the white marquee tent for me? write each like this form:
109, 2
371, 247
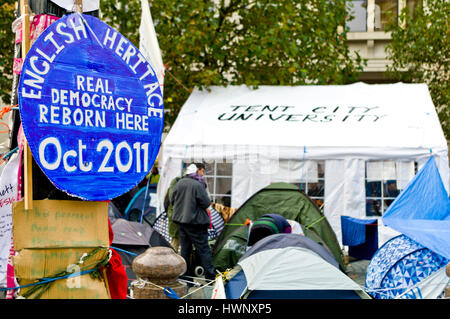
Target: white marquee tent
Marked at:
346, 135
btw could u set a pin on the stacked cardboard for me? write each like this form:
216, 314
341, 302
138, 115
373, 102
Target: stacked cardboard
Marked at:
56, 237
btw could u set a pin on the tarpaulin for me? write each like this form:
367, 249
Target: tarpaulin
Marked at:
354, 230
361, 235
422, 211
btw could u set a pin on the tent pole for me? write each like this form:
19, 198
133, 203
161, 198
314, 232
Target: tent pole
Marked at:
145, 199
28, 158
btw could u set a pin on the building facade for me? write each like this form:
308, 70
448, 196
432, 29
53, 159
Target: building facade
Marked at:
368, 36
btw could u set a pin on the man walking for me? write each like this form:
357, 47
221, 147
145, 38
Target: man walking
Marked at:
190, 201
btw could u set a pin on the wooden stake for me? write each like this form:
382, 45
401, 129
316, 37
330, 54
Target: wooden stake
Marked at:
79, 6
28, 158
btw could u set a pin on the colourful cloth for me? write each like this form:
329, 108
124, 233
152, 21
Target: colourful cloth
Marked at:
115, 272
198, 178
354, 230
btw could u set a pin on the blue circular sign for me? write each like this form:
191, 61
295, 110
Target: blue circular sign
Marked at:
91, 108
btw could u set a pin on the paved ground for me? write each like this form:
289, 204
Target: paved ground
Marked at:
356, 270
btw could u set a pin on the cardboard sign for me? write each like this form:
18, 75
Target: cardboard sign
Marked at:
91, 108
33, 264
60, 224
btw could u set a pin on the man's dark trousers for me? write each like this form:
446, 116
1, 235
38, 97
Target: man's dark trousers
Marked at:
196, 235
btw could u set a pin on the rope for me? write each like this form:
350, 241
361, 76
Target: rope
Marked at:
123, 250
190, 293
7, 155
6, 109
7, 127
43, 284
178, 81
247, 222
3, 111
89, 28
169, 292
318, 220
45, 280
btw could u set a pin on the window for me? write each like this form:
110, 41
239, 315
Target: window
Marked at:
218, 177
385, 11
374, 15
358, 10
384, 181
218, 180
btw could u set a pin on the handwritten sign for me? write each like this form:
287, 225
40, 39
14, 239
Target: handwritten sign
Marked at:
59, 224
316, 114
91, 108
8, 189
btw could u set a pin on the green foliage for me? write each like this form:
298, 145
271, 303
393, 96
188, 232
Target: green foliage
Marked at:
233, 42
6, 49
420, 53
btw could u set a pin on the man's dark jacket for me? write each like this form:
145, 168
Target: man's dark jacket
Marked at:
190, 201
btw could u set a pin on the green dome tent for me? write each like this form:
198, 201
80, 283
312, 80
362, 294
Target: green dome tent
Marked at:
278, 198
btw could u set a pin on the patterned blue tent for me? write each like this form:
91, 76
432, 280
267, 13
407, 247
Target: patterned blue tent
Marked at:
397, 266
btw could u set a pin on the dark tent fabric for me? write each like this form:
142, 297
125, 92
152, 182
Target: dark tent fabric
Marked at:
278, 198
132, 239
422, 211
113, 212
360, 235
267, 225
131, 233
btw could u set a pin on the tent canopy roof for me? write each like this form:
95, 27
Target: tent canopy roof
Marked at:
293, 268
387, 117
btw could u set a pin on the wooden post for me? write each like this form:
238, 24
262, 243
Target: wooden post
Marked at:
28, 158
79, 6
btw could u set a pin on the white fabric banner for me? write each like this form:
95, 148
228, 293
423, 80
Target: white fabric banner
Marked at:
405, 172
345, 192
248, 178
148, 43
334, 195
354, 189
296, 171
168, 171
381, 171
8, 190
219, 289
